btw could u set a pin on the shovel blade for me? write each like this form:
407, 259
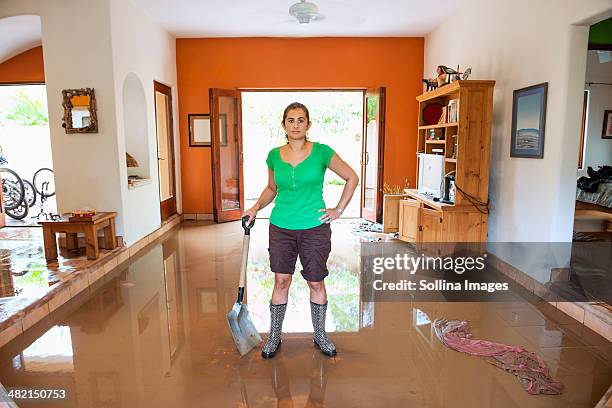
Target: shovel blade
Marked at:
243, 330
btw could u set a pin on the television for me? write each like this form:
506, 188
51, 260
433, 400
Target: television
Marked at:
431, 174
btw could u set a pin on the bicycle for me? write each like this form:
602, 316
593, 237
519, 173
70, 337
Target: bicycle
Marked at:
43, 183
13, 192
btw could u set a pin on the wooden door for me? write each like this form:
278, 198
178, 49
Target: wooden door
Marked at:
409, 220
226, 143
165, 150
430, 224
372, 158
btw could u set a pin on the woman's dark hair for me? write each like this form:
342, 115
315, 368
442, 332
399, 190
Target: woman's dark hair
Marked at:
292, 106
295, 105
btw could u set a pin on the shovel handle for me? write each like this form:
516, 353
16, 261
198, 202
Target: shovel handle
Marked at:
247, 227
245, 256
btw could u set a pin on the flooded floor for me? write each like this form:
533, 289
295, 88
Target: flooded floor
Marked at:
156, 335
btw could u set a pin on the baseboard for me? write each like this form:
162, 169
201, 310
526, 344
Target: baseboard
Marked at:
595, 316
198, 217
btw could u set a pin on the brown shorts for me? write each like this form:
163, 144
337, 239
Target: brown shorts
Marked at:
313, 245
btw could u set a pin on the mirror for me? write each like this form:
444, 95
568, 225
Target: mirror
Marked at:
80, 111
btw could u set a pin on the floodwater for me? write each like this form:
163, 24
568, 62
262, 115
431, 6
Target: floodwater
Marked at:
156, 335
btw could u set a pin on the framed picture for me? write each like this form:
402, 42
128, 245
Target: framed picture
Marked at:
222, 129
606, 131
199, 129
528, 121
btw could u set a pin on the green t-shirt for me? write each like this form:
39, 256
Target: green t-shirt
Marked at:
299, 189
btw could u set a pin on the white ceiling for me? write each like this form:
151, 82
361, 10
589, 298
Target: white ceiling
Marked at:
270, 18
263, 18
18, 34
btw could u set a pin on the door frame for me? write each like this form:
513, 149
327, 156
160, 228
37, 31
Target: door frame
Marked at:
382, 94
168, 207
218, 214
318, 89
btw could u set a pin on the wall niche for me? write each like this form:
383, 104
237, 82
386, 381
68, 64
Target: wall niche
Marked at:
136, 131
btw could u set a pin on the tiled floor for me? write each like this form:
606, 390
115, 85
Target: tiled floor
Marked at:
156, 335
28, 281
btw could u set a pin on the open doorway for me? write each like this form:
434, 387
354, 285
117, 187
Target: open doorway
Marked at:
26, 150
593, 214
337, 120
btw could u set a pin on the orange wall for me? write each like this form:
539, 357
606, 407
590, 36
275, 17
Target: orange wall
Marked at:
25, 67
203, 63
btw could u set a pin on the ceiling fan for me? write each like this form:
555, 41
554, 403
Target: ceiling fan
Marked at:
332, 13
305, 12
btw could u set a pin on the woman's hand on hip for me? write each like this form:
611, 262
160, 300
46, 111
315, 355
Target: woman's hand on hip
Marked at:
330, 215
251, 213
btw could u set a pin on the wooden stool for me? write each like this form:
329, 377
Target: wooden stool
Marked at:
88, 226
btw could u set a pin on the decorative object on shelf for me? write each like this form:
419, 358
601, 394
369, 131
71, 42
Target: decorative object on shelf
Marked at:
528, 121
130, 160
79, 111
135, 181
456, 75
454, 154
445, 75
452, 111
431, 114
391, 189
199, 129
606, 131
436, 134
442, 119
438, 81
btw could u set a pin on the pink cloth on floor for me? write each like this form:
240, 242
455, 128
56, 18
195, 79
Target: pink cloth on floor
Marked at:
531, 370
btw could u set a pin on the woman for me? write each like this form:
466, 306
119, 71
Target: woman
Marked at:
299, 224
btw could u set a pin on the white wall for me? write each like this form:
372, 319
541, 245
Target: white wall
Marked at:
598, 151
86, 165
96, 44
144, 49
521, 43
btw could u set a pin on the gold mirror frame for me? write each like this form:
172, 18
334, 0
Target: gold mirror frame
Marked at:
68, 94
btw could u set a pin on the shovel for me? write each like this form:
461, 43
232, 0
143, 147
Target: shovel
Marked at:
244, 332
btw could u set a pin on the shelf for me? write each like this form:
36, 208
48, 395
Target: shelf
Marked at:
453, 88
435, 141
442, 125
450, 160
134, 183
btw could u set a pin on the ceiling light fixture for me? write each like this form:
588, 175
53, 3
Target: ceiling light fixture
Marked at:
304, 11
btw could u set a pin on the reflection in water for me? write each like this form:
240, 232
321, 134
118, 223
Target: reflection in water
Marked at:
342, 285
343, 297
156, 335
52, 352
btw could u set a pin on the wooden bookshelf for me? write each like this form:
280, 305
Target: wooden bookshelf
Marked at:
471, 102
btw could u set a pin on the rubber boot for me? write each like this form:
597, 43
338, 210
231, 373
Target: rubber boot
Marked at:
277, 315
317, 313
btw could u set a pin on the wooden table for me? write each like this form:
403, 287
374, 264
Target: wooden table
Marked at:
89, 227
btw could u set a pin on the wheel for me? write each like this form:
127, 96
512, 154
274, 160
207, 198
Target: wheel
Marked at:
20, 212
30, 193
13, 190
44, 183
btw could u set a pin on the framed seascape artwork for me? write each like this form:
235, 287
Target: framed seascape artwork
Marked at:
528, 121
606, 132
